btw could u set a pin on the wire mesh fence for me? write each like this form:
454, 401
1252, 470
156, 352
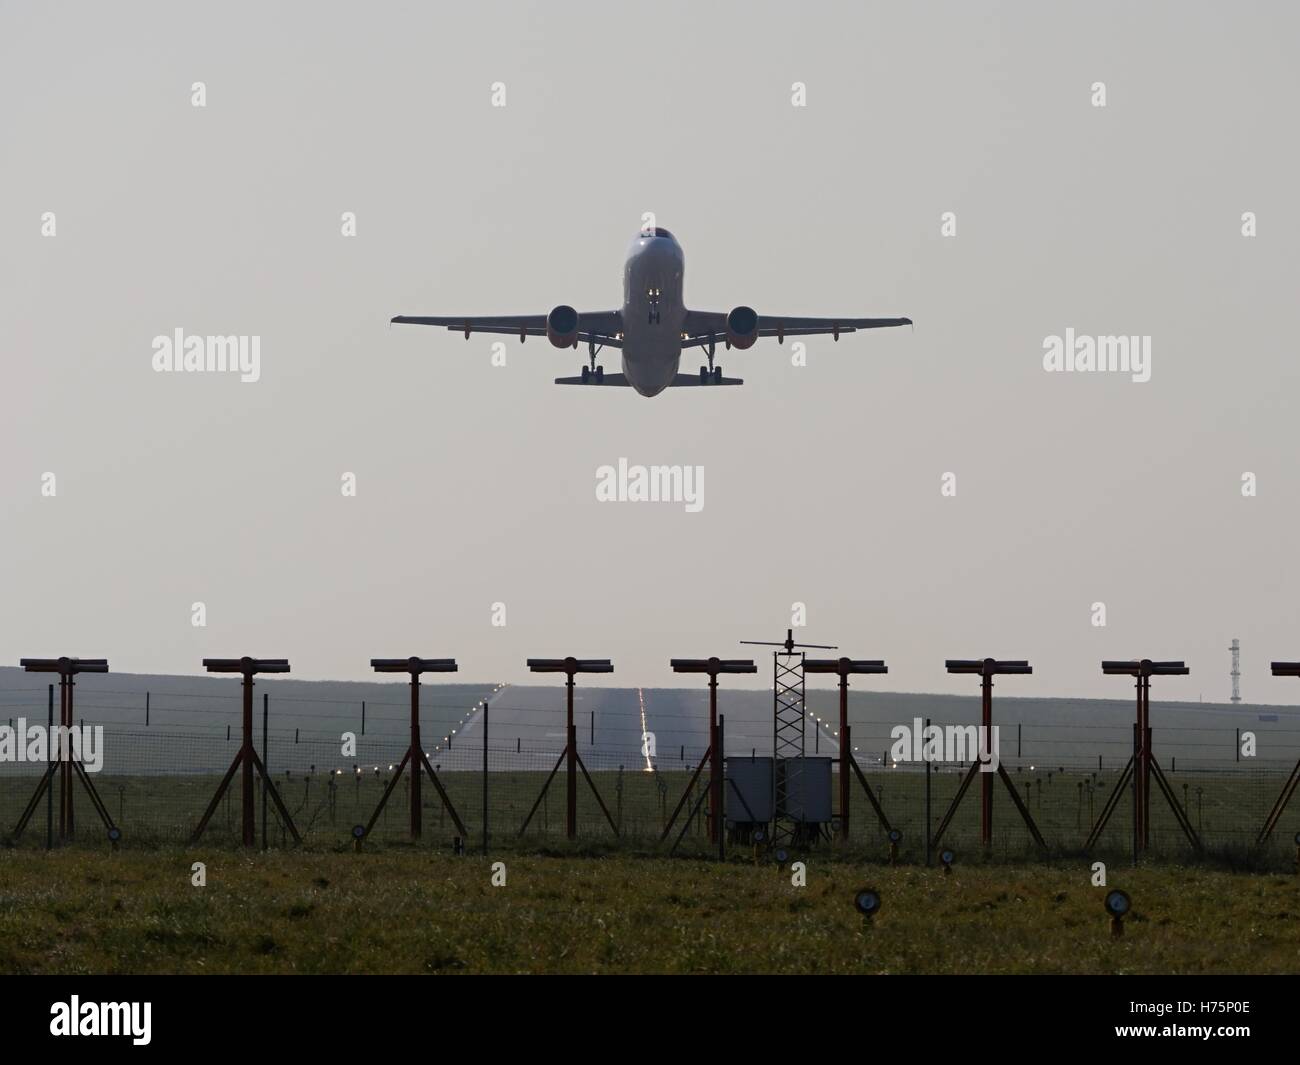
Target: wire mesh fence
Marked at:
156, 783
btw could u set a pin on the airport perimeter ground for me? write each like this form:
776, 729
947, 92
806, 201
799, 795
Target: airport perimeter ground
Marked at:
76, 911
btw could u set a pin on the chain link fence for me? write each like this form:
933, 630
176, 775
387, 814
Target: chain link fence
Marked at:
156, 784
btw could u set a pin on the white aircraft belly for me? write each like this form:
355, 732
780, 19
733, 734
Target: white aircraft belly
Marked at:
652, 350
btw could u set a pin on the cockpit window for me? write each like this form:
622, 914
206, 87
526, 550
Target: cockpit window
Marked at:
659, 231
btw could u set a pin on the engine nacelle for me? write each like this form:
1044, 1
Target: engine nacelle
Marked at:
742, 328
562, 327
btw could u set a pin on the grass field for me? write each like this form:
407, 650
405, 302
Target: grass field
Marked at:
408, 911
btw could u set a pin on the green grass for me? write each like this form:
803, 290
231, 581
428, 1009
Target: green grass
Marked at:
407, 910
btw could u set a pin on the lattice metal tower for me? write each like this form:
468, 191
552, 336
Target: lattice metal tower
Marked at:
789, 715
1236, 670
787, 741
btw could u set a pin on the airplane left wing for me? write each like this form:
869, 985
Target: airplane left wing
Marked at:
701, 325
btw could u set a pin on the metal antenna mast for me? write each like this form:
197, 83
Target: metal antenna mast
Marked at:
787, 733
1235, 648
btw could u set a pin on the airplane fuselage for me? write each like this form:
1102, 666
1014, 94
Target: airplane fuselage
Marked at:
653, 312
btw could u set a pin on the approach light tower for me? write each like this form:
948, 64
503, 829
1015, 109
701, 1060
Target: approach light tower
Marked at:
1236, 670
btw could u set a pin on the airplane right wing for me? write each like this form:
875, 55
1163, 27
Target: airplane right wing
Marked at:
598, 327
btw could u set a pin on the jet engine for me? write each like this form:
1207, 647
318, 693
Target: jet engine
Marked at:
742, 328
562, 327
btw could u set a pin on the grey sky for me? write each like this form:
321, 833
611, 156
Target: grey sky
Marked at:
476, 484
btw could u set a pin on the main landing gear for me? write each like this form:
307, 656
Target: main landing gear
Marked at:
710, 375
593, 372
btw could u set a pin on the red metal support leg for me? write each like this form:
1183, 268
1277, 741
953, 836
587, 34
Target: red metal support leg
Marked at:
571, 784
986, 779
414, 754
246, 755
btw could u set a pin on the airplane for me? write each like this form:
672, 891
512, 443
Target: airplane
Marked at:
653, 327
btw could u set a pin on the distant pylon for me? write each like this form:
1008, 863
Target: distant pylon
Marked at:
1236, 670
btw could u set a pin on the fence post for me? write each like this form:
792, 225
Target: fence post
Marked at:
266, 767
719, 815
928, 822
49, 791
146, 709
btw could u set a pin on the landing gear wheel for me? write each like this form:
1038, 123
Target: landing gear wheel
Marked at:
600, 374
586, 375
704, 375
717, 375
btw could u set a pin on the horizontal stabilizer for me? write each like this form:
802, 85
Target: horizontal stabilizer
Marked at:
691, 380
615, 379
